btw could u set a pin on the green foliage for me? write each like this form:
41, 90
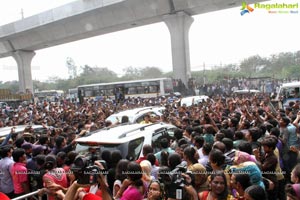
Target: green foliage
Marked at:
284, 65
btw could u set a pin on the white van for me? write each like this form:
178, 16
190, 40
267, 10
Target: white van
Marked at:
288, 92
128, 138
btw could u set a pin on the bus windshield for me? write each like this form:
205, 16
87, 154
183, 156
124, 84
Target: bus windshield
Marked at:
120, 90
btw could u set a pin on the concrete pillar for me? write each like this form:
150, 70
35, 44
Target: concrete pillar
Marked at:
179, 25
23, 59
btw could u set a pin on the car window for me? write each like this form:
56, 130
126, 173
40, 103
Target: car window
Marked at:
135, 148
139, 119
157, 136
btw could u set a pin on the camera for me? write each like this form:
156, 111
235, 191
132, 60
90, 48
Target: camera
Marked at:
175, 181
85, 171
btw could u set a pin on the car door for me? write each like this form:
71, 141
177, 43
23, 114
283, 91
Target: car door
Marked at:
158, 135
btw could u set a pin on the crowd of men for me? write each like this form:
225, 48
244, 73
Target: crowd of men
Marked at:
218, 141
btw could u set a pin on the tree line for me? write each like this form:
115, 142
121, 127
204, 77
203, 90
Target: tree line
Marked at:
284, 65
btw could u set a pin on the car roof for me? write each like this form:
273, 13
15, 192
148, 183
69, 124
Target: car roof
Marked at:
292, 84
136, 111
132, 113
197, 99
6, 130
122, 133
246, 91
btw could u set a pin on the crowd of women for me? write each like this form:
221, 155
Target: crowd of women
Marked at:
225, 148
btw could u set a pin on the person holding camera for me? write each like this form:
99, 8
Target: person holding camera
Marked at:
75, 191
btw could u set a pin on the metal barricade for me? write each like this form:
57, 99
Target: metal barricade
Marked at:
33, 195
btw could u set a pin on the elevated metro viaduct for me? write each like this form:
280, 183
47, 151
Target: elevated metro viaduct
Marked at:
87, 18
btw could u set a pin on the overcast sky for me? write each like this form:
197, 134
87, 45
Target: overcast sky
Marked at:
216, 38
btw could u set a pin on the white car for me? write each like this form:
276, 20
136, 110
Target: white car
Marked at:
128, 138
19, 129
193, 100
136, 115
246, 91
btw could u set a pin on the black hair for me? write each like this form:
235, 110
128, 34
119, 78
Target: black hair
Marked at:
206, 148
43, 139
17, 154
228, 143
189, 130
50, 162
239, 135
59, 140
275, 131
164, 143
19, 142
147, 148
190, 152
164, 155
70, 157
243, 179
228, 133
273, 122
182, 141
124, 119
245, 147
178, 133
216, 156
134, 173
40, 159
219, 136
234, 121
116, 156
256, 192
4, 150
198, 129
151, 157
199, 139
121, 168
174, 160
270, 141
286, 120
255, 133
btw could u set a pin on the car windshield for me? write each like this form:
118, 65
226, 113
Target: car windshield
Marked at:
114, 118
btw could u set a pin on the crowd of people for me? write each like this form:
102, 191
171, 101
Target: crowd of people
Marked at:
224, 148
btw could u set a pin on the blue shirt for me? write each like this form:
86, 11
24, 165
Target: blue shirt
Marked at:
6, 182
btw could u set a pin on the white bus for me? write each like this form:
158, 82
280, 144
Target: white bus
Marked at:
49, 95
288, 92
73, 94
120, 90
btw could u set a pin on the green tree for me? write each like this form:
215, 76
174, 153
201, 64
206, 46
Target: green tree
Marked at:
252, 64
151, 72
131, 73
